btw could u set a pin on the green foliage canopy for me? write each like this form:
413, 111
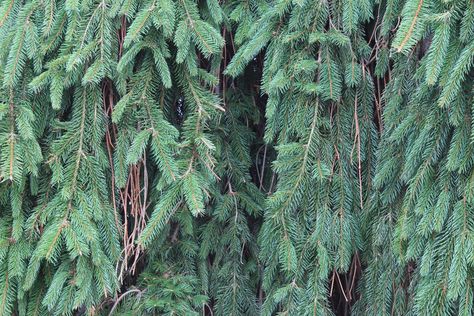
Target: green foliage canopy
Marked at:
258, 157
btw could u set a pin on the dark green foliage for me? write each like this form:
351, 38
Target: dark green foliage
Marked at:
166, 293
261, 157
422, 202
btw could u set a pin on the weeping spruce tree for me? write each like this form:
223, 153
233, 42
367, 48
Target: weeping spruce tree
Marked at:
258, 157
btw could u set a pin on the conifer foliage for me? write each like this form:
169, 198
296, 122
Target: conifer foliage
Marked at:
247, 157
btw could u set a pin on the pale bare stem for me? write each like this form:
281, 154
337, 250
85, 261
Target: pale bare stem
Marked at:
122, 296
12, 135
108, 102
357, 143
135, 196
341, 287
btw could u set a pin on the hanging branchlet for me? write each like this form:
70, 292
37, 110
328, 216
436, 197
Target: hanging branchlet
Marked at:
253, 157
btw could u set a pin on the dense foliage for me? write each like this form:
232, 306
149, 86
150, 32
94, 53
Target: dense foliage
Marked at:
244, 157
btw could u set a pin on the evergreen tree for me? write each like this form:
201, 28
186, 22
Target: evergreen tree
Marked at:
258, 157
320, 120
65, 66
420, 226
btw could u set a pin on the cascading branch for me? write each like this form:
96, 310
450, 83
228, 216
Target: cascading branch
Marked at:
422, 205
182, 157
320, 120
63, 62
